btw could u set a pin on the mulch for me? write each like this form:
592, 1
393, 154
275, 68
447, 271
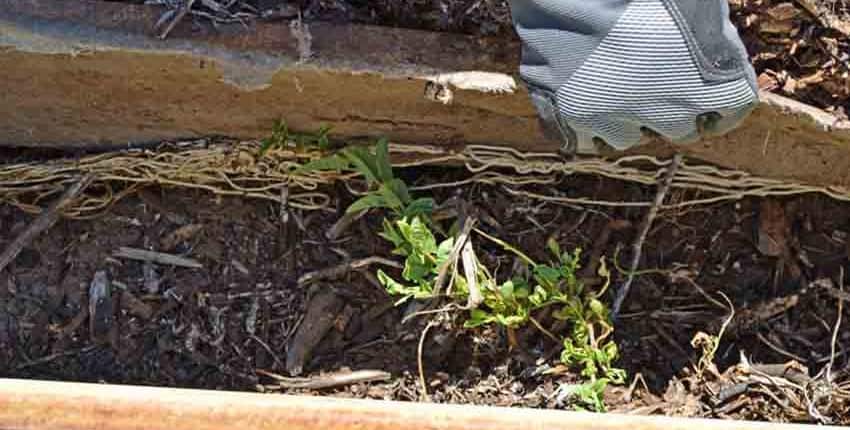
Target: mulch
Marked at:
74, 309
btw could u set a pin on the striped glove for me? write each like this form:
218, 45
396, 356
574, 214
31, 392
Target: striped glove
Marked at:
607, 71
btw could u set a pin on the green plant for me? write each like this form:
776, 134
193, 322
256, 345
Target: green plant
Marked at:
413, 239
511, 303
281, 137
588, 346
385, 190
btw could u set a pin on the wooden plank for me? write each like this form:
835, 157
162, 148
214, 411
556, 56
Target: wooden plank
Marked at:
38, 405
93, 74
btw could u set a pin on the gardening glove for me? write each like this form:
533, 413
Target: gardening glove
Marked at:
610, 70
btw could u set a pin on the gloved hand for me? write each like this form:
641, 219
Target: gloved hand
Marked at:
610, 70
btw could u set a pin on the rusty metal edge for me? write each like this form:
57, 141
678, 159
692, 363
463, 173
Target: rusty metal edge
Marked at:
42, 405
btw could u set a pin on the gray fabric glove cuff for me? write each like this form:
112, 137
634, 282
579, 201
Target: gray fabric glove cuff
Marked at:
713, 40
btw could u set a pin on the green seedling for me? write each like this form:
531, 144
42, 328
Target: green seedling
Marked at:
282, 137
385, 190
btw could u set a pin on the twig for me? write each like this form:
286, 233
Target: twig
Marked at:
709, 353
544, 331
451, 261
507, 247
157, 257
779, 350
326, 381
637, 246
676, 277
54, 356
177, 18
341, 269
44, 221
343, 223
470, 269
269, 350
834, 340
420, 365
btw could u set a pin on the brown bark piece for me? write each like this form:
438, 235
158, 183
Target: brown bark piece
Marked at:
322, 311
774, 230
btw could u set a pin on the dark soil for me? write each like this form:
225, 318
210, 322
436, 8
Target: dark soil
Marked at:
778, 261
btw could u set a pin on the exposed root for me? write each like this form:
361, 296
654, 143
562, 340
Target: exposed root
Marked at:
229, 169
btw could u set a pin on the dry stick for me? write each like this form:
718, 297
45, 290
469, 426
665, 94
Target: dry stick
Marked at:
44, 221
778, 349
419, 363
834, 340
54, 356
157, 257
451, 261
327, 381
339, 270
637, 246
179, 17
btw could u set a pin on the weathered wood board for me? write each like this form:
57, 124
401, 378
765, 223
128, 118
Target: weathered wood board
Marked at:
88, 73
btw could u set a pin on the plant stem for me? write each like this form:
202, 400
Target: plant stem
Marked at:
507, 247
543, 329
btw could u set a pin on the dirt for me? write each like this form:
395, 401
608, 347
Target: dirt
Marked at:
779, 262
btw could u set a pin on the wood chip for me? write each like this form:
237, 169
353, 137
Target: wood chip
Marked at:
179, 236
135, 306
157, 258
326, 381
44, 221
774, 230
321, 314
100, 305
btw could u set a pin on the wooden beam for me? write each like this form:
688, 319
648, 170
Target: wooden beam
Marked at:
93, 74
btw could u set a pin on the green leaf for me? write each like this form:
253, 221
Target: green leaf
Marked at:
364, 162
444, 250
383, 167
336, 163
477, 318
419, 235
399, 189
391, 234
390, 197
562, 314
322, 139
554, 247
369, 201
393, 287
513, 321
598, 310
422, 206
590, 394
521, 289
538, 297
265, 145
280, 132
416, 267
506, 290
396, 288
547, 276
